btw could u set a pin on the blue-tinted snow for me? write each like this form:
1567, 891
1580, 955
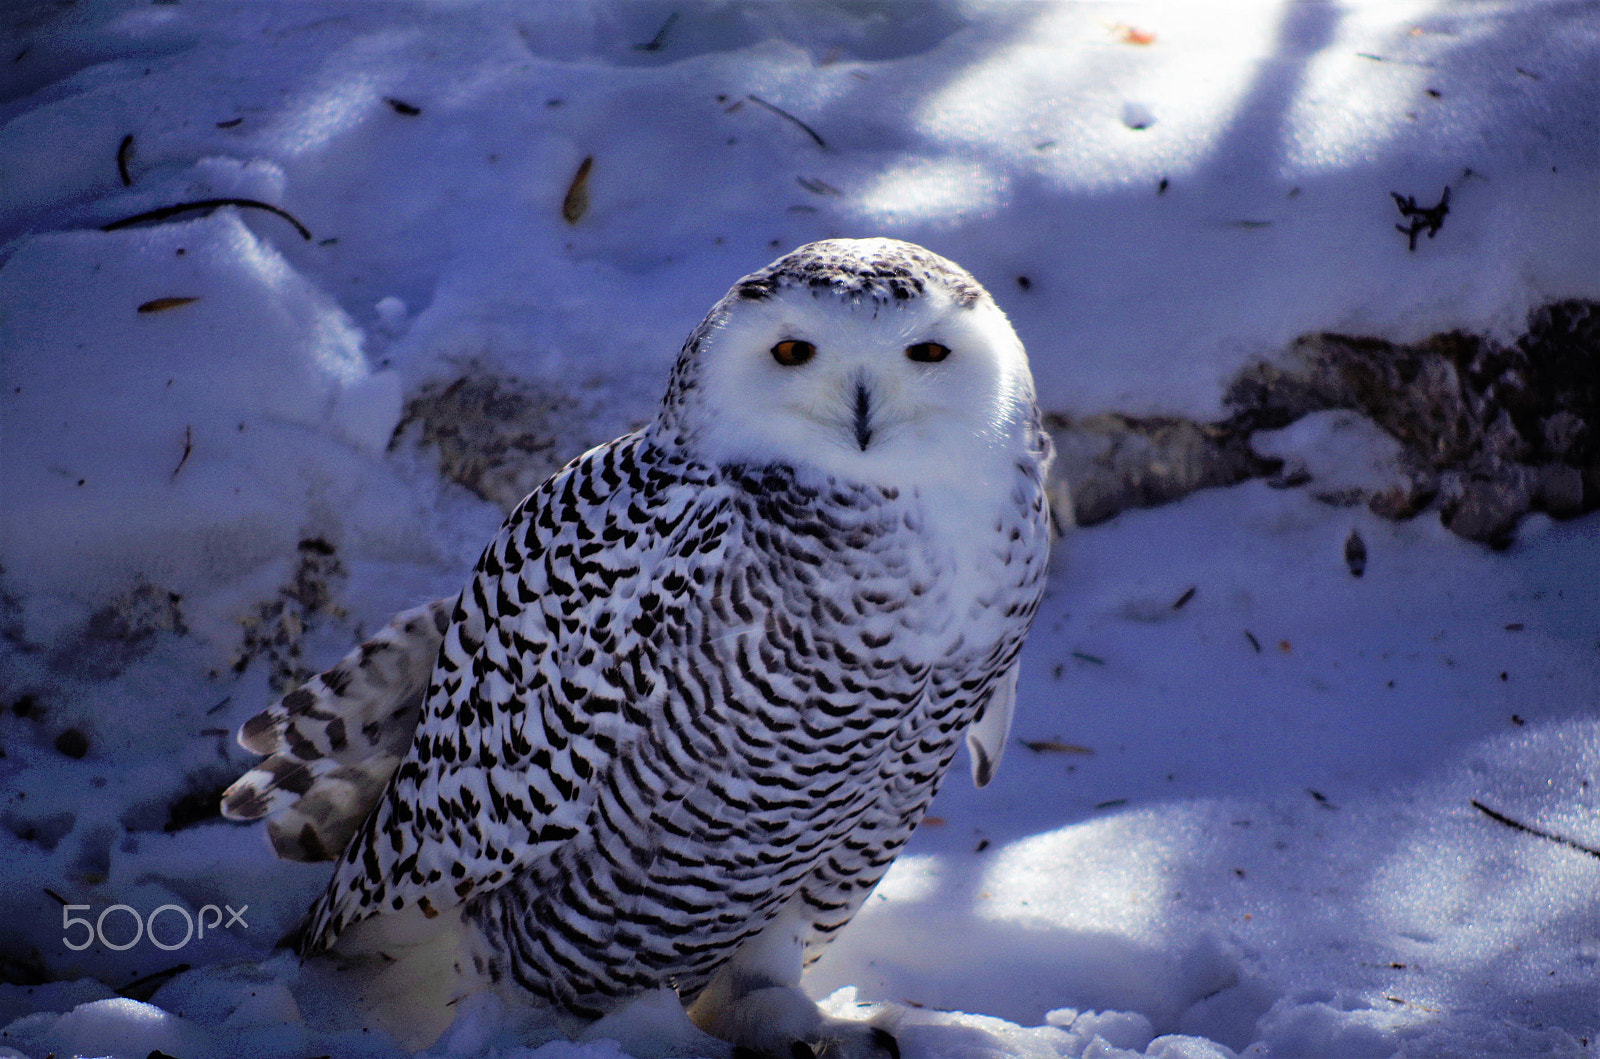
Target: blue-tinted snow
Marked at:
1248, 825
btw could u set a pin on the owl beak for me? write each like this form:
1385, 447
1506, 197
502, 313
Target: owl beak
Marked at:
863, 414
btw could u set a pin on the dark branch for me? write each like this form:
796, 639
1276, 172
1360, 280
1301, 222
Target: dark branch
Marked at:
809, 131
188, 447
1427, 219
165, 212
1517, 825
144, 988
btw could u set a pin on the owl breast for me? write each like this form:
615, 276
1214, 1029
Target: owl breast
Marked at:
780, 734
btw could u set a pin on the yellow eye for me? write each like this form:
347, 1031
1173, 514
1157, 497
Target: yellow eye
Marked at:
927, 352
792, 352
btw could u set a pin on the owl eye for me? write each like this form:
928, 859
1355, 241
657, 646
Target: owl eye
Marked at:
927, 352
792, 352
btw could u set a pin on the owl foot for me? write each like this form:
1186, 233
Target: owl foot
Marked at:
781, 1022
755, 1003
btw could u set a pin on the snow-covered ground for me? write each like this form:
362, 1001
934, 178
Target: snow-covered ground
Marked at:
1237, 820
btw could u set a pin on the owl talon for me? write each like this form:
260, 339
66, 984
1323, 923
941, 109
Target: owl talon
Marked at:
885, 1042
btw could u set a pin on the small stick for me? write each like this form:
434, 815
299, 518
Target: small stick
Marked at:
809, 131
123, 150
1424, 219
58, 897
188, 447
1517, 825
816, 186
659, 41
164, 212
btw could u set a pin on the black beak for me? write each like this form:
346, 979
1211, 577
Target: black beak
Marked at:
863, 419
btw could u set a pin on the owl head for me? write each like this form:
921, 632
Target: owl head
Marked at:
871, 359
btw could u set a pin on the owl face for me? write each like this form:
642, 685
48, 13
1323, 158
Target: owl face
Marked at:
870, 359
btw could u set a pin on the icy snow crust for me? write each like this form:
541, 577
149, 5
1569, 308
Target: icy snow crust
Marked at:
1236, 821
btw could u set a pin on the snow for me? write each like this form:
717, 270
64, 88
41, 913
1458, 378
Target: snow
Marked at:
1239, 824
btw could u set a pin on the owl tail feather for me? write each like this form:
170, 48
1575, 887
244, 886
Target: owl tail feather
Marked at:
333, 742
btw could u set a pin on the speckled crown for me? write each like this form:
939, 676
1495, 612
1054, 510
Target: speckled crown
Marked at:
880, 270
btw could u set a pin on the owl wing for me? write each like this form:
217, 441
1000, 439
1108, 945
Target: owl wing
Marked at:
541, 678
1025, 561
986, 736
332, 743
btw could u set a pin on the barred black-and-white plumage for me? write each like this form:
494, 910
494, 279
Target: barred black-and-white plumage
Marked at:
705, 681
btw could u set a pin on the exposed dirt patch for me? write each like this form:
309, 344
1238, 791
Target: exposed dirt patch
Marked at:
497, 436
1488, 432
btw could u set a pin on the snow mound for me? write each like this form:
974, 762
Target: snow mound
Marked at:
178, 384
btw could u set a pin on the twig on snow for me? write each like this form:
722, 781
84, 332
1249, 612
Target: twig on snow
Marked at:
1518, 825
809, 131
188, 447
123, 150
164, 212
659, 41
141, 988
1427, 219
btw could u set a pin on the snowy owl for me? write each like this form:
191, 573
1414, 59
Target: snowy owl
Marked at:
704, 682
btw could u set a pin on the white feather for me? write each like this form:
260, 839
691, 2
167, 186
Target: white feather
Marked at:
986, 738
